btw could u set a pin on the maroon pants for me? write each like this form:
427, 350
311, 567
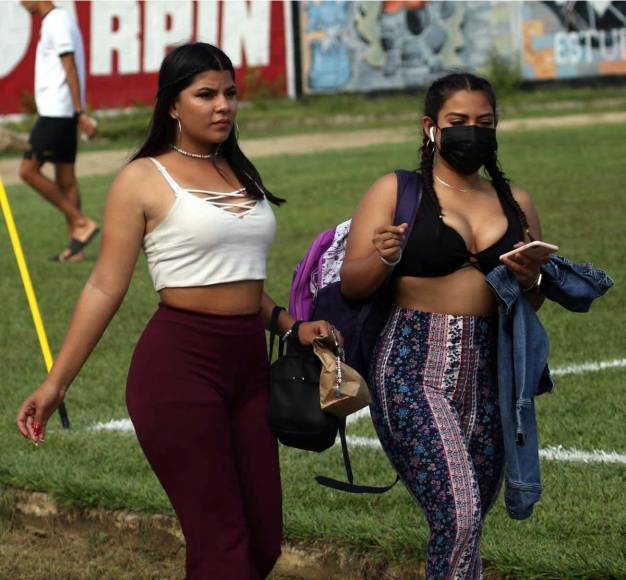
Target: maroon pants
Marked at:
197, 394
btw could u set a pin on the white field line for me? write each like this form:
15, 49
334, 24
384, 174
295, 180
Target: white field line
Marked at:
559, 453
575, 369
589, 367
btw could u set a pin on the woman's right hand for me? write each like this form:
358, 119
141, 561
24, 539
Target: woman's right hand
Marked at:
35, 411
388, 241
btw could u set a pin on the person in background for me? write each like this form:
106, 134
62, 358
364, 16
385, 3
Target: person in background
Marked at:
60, 100
434, 377
198, 385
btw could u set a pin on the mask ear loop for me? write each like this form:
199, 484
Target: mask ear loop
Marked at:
431, 143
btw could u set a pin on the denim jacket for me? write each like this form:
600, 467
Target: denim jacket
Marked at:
523, 366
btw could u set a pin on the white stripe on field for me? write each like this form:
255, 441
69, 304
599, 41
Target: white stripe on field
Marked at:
575, 369
559, 453
589, 367
123, 425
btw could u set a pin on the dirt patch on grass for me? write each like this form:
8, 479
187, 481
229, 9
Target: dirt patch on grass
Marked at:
41, 539
38, 540
52, 551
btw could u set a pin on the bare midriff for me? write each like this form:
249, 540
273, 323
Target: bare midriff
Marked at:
232, 298
462, 292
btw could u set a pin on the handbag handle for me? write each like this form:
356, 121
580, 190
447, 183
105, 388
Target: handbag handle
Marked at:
350, 486
293, 336
273, 332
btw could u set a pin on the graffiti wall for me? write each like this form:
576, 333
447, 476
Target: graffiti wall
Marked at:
365, 46
361, 46
126, 40
573, 39
345, 46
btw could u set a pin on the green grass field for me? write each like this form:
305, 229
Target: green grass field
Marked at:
576, 177
260, 117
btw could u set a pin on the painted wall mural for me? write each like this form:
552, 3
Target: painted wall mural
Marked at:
366, 46
345, 46
573, 39
361, 46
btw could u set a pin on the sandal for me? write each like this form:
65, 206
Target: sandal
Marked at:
75, 247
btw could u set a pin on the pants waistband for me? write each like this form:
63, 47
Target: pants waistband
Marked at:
220, 323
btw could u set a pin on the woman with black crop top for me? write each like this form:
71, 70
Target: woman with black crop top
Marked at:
198, 385
433, 378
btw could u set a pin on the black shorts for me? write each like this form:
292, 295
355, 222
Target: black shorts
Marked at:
53, 139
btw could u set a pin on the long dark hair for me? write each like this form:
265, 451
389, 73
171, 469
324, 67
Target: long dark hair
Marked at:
177, 72
438, 93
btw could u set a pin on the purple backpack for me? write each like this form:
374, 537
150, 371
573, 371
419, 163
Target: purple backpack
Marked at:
316, 287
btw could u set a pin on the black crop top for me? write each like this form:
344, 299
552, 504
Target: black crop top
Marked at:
436, 249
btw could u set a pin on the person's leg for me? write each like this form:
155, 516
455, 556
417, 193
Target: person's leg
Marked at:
484, 435
485, 442
65, 178
30, 173
421, 432
256, 450
184, 427
54, 140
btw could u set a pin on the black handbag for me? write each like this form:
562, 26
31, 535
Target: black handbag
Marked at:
295, 413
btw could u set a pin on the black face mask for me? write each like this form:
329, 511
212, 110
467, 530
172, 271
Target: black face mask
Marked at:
467, 147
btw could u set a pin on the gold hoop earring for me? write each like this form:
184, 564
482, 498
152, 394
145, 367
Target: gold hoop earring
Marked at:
180, 128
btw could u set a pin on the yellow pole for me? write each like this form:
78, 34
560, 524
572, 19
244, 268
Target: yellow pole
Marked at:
28, 286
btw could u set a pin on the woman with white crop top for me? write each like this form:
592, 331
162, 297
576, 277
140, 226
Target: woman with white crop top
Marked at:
197, 388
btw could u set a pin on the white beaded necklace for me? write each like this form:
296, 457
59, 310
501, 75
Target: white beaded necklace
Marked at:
194, 155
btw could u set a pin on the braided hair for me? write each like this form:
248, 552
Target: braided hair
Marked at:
177, 72
438, 93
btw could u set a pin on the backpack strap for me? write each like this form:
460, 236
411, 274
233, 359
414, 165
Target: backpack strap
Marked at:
350, 487
408, 199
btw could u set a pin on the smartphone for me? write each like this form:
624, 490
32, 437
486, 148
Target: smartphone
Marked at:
536, 250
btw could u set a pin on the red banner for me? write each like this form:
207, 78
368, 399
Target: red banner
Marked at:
126, 40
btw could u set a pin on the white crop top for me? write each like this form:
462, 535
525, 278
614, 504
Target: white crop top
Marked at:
204, 241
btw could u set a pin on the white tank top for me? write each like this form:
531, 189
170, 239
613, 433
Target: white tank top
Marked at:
204, 241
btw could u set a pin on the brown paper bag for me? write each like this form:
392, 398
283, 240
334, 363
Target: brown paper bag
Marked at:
340, 393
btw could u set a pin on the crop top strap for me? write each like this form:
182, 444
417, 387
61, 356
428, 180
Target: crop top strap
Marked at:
170, 180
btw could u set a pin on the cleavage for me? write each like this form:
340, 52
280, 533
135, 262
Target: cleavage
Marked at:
466, 246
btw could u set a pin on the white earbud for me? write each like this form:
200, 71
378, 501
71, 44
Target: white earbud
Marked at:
432, 134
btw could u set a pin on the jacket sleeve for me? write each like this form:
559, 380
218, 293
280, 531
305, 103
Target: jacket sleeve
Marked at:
573, 285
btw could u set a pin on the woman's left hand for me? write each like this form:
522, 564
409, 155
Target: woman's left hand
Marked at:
525, 268
317, 330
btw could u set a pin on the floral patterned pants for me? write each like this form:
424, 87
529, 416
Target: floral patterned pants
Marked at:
435, 409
